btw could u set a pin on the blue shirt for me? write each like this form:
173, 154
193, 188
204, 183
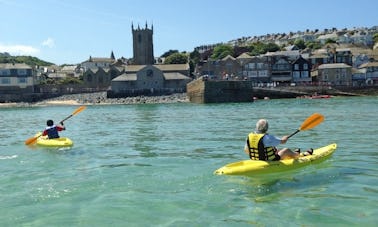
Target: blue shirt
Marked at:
271, 141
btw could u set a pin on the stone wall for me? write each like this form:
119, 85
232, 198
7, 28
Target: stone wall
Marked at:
218, 91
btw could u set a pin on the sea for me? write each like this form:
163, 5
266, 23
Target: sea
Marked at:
153, 165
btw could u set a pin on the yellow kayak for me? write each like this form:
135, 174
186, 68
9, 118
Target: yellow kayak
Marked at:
58, 142
255, 167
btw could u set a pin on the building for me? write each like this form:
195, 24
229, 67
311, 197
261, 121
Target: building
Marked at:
98, 62
16, 78
257, 70
281, 69
143, 47
151, 80
371, 72
301, 71
143, 77
101, 77
335, 74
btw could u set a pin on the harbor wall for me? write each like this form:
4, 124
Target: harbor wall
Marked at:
204, 91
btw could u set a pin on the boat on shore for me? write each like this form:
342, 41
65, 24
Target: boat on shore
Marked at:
315, 96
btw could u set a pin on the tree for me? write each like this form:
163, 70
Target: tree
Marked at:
169, 52
313, 45
300, 44
375, 38
330, 41
258, 48
222, 51
176, 58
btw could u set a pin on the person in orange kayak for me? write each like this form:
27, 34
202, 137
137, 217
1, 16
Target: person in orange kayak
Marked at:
262, 146
52, 130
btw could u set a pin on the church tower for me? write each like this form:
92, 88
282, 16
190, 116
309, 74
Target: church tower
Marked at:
143, 47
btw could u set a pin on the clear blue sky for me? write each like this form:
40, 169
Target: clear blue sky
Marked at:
69, 31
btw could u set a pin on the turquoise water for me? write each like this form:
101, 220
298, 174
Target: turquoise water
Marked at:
152, 165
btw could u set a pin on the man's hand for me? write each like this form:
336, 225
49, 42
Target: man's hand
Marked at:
284, 139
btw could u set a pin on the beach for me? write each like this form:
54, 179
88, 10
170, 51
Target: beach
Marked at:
99, 98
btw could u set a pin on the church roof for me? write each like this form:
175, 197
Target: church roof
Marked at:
162, 67
126, 77
175, 76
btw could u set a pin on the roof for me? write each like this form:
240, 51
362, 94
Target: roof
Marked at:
369, 64
228, 57
334, 66
92, 59
69, 68
167, 76
162, 67
126, 77
14, 66
172, 67
244, 55
175, 76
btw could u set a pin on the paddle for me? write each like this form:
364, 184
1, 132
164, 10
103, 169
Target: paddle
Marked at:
310, 123
32, 140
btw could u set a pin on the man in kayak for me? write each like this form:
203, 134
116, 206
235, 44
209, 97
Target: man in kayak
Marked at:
262, 146
52, 130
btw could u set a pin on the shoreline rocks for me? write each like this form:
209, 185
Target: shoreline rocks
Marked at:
99, 98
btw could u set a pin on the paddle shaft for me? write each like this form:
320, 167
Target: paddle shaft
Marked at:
294, 133
66, 118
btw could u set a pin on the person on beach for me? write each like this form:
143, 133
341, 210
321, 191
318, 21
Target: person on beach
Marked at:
262, 146
52, 130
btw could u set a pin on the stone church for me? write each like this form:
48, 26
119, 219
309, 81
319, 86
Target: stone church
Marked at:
143, 76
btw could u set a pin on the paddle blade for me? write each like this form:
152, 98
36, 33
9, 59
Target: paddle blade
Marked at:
312, 121
78, 110
31, 140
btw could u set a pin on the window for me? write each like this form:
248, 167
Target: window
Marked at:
305, 66
296, 74
296, 66
4, 72
21, 72
5, 81
22, 80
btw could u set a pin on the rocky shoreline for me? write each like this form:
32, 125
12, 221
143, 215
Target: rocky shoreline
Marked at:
99, 98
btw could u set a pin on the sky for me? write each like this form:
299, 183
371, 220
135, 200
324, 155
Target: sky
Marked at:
70, 31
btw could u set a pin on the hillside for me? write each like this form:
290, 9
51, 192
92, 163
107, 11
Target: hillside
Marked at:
29, 60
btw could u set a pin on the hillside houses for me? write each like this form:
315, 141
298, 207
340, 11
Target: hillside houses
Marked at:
359, 36
295, 66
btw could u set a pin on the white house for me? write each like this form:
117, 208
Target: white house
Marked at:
16, 78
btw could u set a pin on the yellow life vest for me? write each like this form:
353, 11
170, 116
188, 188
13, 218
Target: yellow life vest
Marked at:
257, 151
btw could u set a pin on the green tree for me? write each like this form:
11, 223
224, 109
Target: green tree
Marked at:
300, 44
258, 48
375, 38
330, 41
222, 51
313, 45
169, 52
176, 58
271, 47
195, 57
